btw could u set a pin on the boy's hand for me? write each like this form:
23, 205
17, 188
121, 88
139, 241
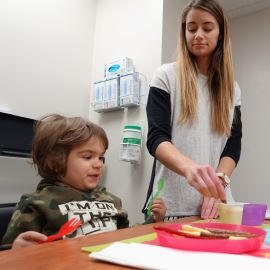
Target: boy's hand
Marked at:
29, 238
158, 210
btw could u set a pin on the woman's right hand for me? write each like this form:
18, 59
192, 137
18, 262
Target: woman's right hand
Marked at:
201, 177
205, 180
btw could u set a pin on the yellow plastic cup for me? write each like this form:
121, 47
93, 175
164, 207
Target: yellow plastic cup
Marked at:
231, 213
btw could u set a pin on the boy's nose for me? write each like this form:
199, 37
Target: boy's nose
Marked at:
98, 162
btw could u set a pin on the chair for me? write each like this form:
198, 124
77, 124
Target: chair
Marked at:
6, 211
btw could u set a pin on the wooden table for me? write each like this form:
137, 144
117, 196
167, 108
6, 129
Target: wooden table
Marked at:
67, 254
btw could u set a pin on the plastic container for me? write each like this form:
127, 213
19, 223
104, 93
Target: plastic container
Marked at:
253, 214
231, 213
131, 144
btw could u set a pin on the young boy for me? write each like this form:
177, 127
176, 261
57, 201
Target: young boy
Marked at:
69, 155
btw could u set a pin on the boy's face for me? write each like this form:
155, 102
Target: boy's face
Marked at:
85, 165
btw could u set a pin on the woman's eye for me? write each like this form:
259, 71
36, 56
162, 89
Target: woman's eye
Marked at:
102, 159
192, 30
87, 157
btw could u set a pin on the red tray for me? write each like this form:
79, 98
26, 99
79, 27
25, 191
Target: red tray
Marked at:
217, 245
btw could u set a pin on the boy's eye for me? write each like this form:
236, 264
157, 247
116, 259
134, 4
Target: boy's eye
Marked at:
102, 159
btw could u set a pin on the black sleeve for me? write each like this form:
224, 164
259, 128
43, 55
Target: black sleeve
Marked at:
158, 111
232, 148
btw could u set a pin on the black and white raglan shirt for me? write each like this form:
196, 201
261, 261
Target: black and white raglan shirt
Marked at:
196, 141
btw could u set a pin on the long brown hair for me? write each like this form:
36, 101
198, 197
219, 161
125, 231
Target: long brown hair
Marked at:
55, 136
220, 72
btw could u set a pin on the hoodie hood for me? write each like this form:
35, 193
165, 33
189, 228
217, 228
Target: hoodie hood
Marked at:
44, 183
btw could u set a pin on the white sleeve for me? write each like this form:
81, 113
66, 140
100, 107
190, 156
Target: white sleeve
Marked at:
237, 95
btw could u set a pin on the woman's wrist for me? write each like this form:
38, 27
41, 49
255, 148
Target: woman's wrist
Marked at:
224, 178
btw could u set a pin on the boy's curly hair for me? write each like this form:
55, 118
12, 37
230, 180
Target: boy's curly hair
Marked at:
55, 136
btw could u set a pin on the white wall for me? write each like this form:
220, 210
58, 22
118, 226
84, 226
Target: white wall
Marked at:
132, 29
251, 39
172, 10
46, 55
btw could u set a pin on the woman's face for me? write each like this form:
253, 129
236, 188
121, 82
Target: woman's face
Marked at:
202, 33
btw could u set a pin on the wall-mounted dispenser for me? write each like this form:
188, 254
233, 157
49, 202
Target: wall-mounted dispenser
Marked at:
111, 94
98, 95
106, 95
130, 89
131, 145
121, 87
118, 67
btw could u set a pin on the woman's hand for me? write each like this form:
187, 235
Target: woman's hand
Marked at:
158, 210
29, 238
205, 180
201, 177
209, 208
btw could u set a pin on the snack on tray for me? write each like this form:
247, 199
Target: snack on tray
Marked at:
213, 233
231, 233
189, 228
207, 233
204, 234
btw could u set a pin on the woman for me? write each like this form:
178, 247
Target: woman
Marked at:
194, 118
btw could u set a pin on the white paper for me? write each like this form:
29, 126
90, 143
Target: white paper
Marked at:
161, 258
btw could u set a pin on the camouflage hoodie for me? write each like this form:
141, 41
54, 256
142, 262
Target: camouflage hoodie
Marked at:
53, 203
